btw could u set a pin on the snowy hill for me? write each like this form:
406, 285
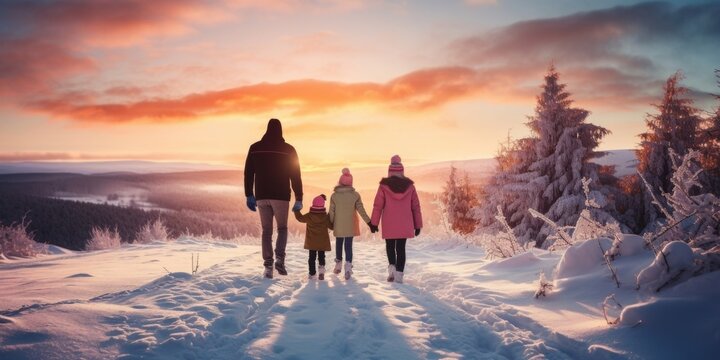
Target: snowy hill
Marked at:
625, 161
141, 301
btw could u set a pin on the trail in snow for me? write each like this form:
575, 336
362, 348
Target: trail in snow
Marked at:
228, 311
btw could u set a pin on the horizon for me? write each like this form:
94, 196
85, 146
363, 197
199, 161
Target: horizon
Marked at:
180, 81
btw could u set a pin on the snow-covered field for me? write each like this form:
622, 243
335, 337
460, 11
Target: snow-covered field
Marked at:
454, 304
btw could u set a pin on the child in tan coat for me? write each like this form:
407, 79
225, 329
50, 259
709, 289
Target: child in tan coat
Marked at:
345, 205
317, 239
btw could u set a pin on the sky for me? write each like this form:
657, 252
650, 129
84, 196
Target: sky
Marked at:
354, 82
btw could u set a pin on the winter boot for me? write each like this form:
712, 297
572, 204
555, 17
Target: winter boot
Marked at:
268, 273
321, 272
280, 267
391, 273
312, 277
338, 266
348, 270
399, 277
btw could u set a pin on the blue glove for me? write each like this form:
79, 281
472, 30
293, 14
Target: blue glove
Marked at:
297, 206
251, 203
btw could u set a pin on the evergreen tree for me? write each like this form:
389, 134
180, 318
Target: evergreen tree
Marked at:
459, 200
508, 184
709, 148
676, 126
566, 144
544, 172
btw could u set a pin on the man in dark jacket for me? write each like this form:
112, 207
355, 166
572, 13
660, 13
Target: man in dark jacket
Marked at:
271, 165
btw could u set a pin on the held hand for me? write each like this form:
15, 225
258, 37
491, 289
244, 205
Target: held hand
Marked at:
297, 206
373, 228
417, 232
251, 203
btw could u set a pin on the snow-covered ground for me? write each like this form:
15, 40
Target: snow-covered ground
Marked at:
141, 301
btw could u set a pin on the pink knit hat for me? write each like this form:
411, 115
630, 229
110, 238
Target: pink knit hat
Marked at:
396, 167
346, 178
318, 202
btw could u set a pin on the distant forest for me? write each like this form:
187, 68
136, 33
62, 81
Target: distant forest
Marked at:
68, 223
62, 208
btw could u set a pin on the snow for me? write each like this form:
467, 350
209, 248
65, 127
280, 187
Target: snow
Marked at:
582, 257
455, 303
676, 257
631, 245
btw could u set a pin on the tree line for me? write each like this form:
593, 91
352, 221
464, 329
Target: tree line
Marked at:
546, 170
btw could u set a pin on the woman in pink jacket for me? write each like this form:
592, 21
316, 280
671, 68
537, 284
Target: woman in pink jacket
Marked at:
398, 206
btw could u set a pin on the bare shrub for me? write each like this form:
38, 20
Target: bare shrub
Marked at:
504, 244
103, 238
152, 231
610, 304
17, 241
544, 286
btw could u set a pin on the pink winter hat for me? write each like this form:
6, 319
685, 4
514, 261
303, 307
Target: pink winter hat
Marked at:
396, 167
346, 178
319, 202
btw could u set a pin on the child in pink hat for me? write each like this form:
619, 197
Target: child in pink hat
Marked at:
317, 240
345, 205
397, 206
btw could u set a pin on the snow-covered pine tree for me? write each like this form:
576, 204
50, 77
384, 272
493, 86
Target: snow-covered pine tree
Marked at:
544, 172
675, 126
566, 144
466, 223
450, 195
709, 147
459, 199
508, 184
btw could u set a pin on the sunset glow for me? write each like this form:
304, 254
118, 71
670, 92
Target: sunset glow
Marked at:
353, 81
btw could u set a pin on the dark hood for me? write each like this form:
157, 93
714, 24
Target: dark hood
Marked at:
397, 184
274, 132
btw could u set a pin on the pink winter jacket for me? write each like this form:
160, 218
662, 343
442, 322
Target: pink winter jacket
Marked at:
397, 204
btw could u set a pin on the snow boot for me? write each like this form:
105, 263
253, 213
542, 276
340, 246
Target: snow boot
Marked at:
280, 267
348, 270
312, 277
391, 273
268, 273
399, 277
321, 272
338, 266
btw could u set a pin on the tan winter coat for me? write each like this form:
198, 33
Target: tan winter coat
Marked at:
345, 205
316, 231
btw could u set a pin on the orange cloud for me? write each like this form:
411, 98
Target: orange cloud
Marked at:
417, 90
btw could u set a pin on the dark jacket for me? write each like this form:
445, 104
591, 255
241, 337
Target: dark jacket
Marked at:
271, 165
316, 231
